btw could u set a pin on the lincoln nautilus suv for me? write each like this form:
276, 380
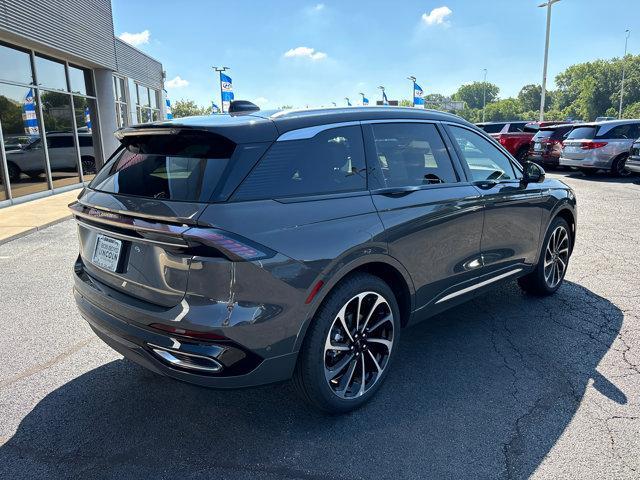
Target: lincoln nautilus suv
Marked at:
263, 246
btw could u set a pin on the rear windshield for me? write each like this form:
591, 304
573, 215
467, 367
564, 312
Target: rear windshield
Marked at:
493, 127
582, 132
543, 134
183, 167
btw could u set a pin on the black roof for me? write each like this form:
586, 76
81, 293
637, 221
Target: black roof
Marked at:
267, 125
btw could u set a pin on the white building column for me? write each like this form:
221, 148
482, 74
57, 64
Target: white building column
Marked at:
107, 107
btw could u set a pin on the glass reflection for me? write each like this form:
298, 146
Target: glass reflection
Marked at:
16, 65
22, 140
87, 136
61, 143
79, 80
50, 74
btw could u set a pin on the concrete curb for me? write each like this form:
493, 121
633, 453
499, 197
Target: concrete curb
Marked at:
34, 229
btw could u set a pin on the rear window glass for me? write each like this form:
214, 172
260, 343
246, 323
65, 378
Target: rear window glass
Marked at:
493, 127
582, 132
181, 167
519, 127
543, 134
330, 162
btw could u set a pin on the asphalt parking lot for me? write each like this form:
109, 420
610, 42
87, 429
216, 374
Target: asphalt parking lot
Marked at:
506, 386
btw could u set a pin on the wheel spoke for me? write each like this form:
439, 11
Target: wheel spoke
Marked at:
375, 362
388, 318
345, 381
343, 322
383, 341
364, 374
379, 301
333, 372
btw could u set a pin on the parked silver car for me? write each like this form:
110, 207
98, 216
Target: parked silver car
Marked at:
600, 146
633, 163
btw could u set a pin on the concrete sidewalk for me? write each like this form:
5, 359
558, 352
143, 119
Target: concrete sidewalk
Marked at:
22, 219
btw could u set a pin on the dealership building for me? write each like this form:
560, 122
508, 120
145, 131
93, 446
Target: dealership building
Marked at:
66, 84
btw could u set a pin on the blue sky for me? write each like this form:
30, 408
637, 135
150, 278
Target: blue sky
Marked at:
337, 49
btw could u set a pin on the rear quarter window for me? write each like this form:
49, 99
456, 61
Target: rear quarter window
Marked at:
582, 133
330, 162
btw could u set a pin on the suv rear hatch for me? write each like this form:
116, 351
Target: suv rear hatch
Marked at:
580, 142
137, 218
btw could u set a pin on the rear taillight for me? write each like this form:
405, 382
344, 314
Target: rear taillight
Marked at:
231, 246
592, 145
503, 141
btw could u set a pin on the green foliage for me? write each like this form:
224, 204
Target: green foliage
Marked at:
501, 110
632, 111
188, 108
11, 116
405, 103
472, 93
286, 107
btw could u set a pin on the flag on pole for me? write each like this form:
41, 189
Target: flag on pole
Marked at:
29, 118
417, 95
168, 109
226, 89
214, 108
87, 118
385, 100
348, 101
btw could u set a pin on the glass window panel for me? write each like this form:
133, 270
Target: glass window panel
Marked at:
133, 95
155, 115
22, 140
79, 79
143, 95
119, 90
153, 97
51, 74
61, 139
16, 66
87, 136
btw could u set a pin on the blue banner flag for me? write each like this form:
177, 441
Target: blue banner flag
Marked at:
226, 91
214, 108
29, 118
417, 95
365, 101
168, 109
87, 118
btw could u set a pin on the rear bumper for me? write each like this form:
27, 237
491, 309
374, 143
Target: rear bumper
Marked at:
588, 162
546, 160
240, 367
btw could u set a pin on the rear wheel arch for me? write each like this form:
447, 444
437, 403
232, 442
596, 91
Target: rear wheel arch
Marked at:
384, 267
569, 217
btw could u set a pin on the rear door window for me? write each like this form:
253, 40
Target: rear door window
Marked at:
628, 131
411, 154
582, 133
330, 162
484, 159
181, 167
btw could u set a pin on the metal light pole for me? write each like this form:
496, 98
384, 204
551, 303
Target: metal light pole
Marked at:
220, 70
548, 4
348, 101
363, 97
382, 88
626, 39
484, 92
413, 89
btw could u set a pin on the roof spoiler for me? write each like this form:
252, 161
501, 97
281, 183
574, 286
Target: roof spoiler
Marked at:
241, 107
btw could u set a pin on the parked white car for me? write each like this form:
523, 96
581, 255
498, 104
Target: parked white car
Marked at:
600, 146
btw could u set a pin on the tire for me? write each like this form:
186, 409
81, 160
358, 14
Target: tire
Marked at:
521, 155
618, 168
88, 165
325, 377
544, 280
14, 172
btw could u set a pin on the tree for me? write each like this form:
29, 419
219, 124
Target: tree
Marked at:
530, 96
188, 108
632, 111
472, 93
405, 103
502, 110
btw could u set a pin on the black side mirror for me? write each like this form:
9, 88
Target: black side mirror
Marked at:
533, 173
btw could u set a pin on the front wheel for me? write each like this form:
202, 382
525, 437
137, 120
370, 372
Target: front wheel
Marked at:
349, 345
553, 262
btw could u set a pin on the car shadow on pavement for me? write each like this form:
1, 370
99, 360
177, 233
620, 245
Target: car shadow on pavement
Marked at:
603, 177
482, 391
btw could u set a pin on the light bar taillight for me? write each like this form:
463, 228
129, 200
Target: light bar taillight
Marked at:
232, 246
592, 145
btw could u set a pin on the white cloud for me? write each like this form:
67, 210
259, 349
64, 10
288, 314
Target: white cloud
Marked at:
305, 52
437, 16
260, 101
177, 82
136, 39
318, 7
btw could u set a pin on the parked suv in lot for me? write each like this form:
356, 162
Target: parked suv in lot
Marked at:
633, 162
600, 146
546, 145
239, 250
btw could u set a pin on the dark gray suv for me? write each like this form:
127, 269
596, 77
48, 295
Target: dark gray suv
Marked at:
239, 250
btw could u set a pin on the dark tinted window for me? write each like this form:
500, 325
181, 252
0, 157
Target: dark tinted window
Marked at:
518, 127
330, 162
484, 159
184, 167
543, 134
411, 154
85, 141
582, 133
63, 141
493, 127
628, 131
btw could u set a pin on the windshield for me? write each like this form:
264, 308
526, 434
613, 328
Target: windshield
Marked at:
168, 167
543, 134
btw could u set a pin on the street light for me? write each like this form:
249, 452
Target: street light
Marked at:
413, 89
626, 39
484, 92
220, 70
547, 4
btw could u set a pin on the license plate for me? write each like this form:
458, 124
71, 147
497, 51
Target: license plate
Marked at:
107, 252
537, 147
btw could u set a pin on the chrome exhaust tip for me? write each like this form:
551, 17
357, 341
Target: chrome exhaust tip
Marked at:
186, 361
